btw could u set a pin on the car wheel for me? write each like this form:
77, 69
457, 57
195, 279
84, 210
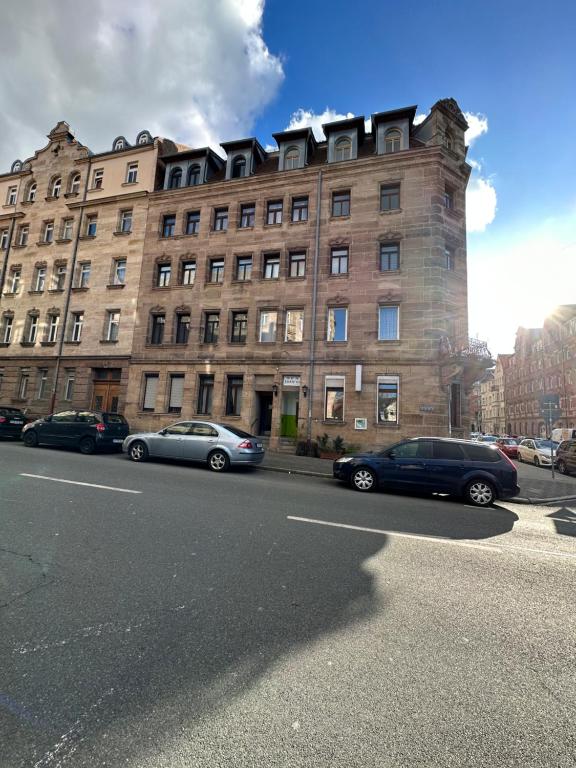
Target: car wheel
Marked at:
30, 439
536, 461
87, 445
363, 479
480, 493
562, 468
218, 461
138, 451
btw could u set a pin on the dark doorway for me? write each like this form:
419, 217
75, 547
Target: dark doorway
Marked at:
264, 412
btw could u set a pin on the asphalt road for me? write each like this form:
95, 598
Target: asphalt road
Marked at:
262, 619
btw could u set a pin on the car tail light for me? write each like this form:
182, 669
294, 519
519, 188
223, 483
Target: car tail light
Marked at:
2, 419
101, 427
508, 459
245, 444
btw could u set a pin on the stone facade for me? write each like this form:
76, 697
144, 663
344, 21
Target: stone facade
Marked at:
376, 266
71, 267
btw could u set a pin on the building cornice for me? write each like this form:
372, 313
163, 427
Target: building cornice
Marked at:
108, 200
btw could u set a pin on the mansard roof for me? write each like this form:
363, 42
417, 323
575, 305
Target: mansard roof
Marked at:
347, 124
295, 134
405, 113
250, 143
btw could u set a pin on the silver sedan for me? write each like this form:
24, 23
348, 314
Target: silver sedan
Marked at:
219, 445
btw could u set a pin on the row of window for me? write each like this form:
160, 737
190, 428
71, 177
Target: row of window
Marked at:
387, 396
55, 185
58, 280
65, 232
32, 327
24, 382
269, 329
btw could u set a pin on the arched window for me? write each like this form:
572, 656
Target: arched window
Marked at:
343, 149
143, 139
56, 187
292, 159
448, 140
119, 144
175, 178
31, 193
392, 141
193, 175
75, 184
239, 167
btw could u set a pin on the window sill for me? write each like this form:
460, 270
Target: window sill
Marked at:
292, 343
63, 240
270, 226
74, 343
35, 293
13, 205
129, 183
122, 233
214, 285
115, 286
9, 294
80, 288
47, 343
339, 275
108, 341
237, 343
190, 234
5, 344
50, 198
43, 242
336, 343
301, 221
19, 245
56, 290
166, 237
389, 342
334, 422
339, 218
241, 282
219, 231
95, 189
233, 416
393, 210
68, 195
161, 287
297, 277
27, 343
27, 202
249, 228
87, 237
208, 343
383, 425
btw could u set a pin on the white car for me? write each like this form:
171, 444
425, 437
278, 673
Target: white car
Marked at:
537, 451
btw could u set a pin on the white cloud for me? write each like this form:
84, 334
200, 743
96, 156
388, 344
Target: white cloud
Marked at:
303, 118
420, 118
481, 203
197, 72
477, 125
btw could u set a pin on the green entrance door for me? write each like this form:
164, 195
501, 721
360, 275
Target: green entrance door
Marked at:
289, 415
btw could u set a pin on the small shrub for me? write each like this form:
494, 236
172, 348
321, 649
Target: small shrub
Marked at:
323, 441
338, 444
307, 448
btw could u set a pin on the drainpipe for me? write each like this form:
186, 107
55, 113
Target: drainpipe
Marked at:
7, 256
311, 361
64, 324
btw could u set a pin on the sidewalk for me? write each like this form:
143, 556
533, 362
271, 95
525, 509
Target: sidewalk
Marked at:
536, 484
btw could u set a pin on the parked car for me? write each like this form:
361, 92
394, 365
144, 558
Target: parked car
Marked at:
219, 445
563, 433
479, 473
11, 421
537, 451
509, 446
488, 439
87, 430
566, 457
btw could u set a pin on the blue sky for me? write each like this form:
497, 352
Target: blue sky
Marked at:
206, 71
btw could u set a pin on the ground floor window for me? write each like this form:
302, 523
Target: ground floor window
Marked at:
23, 383
234, 395
334, 398
205, 394
69, 379
387, 400
176, 394
150, 391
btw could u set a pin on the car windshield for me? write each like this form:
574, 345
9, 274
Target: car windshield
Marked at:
546, 444
508, 441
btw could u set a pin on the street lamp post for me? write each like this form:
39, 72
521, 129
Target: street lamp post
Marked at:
548, 407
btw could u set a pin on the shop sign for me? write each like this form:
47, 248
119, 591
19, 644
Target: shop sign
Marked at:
291, 381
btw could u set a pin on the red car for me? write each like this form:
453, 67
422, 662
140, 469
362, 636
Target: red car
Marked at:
509, 446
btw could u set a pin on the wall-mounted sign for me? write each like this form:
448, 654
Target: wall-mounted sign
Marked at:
426, 408
291, 381
360, 423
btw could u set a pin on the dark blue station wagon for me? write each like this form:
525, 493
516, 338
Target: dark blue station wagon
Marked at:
476, 472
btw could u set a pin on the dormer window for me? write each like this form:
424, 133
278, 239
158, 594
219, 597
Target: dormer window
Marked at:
343, 149
56, 188
239, 168
119, 144
392, 141
175, 178
292, 159
193, 176
31, 196
143, 139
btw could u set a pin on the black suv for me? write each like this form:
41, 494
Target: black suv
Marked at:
86, 430
11, 421
566, 457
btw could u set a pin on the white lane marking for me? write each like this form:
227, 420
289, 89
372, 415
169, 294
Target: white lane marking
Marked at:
498, 548
77, 482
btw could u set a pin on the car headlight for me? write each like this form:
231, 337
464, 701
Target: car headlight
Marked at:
344, 459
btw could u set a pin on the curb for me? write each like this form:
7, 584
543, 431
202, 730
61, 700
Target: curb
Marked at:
553, 500
286, 471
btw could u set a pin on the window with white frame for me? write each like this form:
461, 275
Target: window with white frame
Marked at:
392, 141
150, 391
343, 148
48, 233
98, 178
388, 325
15, 275
119, 276
339, 261
334, 398
52, 328
39, 278
268, 325
23, 232
32, 329
84, 269
23, 382
31, 194
294, 325
176, 392
271, 269
91, 225
42, 383
3, 239
300, 209
75, 184
387, 399
337, 324
69, 380
188, 272
274, 212
6, 330
119, 144
449, 259
389, 257
56, 188
297, 264
125, 223
12, 195
59, 277
449, 198
67, 226
292, 159
77, 324
131, 173
112, 324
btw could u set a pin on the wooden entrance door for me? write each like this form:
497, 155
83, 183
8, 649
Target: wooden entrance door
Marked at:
106, 396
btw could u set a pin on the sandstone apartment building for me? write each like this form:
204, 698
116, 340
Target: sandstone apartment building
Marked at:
316, 289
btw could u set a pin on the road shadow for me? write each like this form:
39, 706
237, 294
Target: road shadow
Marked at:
169, 619
564, 521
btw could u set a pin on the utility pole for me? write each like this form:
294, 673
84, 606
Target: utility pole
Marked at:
549, 407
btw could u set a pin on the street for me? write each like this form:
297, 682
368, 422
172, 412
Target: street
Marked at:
162, 616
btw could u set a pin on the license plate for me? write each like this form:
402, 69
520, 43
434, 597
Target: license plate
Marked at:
117, 440
258, 445
16, 422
